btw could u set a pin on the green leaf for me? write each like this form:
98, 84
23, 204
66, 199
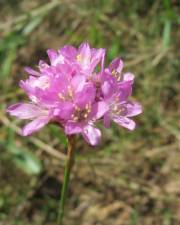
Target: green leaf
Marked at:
167, 33
8, 52
12, 40
25, 160
35, 22
6, 65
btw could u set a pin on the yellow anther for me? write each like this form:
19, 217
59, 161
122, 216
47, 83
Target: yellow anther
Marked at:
45, 85
61, 96
77, 108
120, 111
114, 72
70, 92
119, 78
87, 106
115, 108
85, 115
79, 58
75, 118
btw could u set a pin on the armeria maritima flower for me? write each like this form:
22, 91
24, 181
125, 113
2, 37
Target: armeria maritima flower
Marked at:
70, 91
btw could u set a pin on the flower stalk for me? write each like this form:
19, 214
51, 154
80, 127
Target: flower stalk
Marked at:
67, 172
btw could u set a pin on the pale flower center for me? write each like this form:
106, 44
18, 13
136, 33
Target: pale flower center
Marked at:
79, 58
42, 83
116, 74
81, 114
117, 108
34, 98
68, 95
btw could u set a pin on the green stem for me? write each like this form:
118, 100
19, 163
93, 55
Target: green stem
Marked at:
68, 166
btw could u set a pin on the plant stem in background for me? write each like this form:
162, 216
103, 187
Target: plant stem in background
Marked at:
68, 166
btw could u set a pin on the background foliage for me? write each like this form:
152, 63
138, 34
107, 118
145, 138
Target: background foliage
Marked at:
132, 178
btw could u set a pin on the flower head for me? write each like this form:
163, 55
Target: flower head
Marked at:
70, 91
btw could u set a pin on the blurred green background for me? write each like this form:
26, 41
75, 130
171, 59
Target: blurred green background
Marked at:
132, 178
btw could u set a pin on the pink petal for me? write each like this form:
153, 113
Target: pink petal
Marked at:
73, 128
91, 135
54, 57
98, 110
31, 71
133, 108
85, 96
43, 66
64, 70
107, 120
124, 122
35, 125
103, 59
85, 55
117, 65
64, 110
125, 90
25, 85
97, 55
52, 54
78, 82
25, 111
68, 51
58, 60
128, 77
107, 88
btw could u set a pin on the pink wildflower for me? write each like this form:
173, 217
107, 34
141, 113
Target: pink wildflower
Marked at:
70, 92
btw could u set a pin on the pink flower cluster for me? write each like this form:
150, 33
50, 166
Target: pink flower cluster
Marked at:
76, 90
